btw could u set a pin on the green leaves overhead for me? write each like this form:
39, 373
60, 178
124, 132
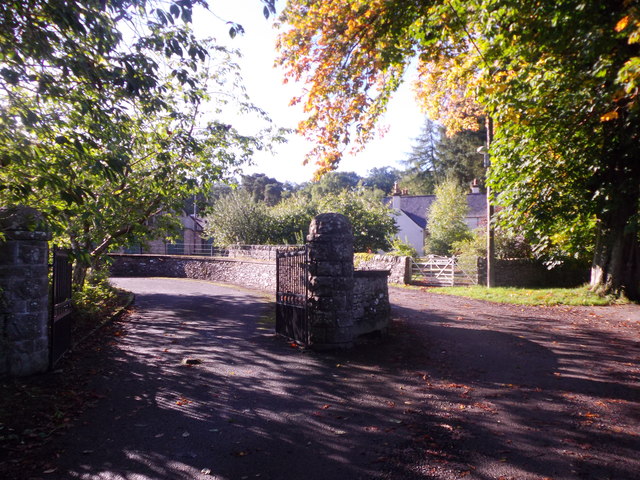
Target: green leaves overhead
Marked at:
107, 118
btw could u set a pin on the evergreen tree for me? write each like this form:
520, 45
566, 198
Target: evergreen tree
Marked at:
458, 157
436, 156
419, 178
382, 178
262, 188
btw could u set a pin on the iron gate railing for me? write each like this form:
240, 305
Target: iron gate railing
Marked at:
292, 293
61, 309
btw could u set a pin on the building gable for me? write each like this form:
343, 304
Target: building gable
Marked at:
416, 206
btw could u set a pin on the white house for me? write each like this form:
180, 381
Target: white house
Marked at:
411, 214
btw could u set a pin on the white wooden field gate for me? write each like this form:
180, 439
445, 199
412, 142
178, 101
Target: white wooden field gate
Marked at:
440, 271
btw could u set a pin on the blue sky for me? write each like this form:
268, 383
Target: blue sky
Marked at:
266, 89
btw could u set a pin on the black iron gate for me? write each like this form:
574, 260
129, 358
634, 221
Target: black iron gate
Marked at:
60, 324
292, 293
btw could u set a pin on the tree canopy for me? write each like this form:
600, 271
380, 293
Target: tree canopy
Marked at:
263, 188
559, 80
239, 218
382, 178
108, 117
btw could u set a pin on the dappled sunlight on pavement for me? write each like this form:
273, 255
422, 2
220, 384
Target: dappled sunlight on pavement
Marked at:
193, 383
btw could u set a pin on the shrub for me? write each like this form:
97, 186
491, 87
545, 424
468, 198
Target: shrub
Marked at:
402, 249
447, 218
507, 245
96, 296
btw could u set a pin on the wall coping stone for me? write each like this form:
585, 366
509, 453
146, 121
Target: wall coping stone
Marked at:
20, 218
200, 258
371, 273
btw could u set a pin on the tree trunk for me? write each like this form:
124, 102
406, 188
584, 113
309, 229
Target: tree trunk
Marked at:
616, 262
79, 274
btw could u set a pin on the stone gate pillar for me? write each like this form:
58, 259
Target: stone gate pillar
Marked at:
24, 292
330, 242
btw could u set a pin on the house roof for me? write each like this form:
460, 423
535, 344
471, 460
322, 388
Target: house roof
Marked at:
477, 204
191, 222
416, 206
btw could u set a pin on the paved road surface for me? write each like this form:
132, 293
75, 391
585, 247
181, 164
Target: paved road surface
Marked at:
255, 408
461, 389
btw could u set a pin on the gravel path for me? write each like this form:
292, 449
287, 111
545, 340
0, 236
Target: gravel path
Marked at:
193, 384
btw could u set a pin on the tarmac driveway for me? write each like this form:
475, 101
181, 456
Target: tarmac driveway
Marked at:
194, 384
250, 406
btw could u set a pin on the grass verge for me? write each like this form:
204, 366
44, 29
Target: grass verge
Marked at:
531, 296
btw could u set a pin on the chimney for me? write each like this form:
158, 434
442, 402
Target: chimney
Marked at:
395, 196
474, 186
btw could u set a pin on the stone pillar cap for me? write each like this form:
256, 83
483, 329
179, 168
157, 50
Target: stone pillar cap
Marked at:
21, 218
330, 223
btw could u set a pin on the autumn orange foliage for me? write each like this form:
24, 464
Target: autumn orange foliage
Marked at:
352, 55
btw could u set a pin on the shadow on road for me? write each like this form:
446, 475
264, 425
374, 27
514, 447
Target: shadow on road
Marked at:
444, 396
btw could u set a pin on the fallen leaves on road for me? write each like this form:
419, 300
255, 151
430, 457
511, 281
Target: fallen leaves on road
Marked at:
590, 415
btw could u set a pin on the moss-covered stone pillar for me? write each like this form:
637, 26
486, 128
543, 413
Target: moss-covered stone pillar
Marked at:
330, 242
24, 292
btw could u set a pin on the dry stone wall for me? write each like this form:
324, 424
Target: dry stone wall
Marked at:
258, 252
256, 274
399, 268
371, 308
526, 273
343, 304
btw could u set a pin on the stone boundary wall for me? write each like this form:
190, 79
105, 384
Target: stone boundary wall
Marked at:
256, 274
525, 273
260, 252
24, 292
342, 304
399, 268
371, 308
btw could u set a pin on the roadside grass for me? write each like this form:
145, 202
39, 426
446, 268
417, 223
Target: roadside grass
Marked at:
532, 296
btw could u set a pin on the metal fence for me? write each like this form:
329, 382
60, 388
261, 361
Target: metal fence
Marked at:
197, 249
60, 322
292, 293
202, 249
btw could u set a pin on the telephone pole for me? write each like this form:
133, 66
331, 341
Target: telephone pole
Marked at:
491, 245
